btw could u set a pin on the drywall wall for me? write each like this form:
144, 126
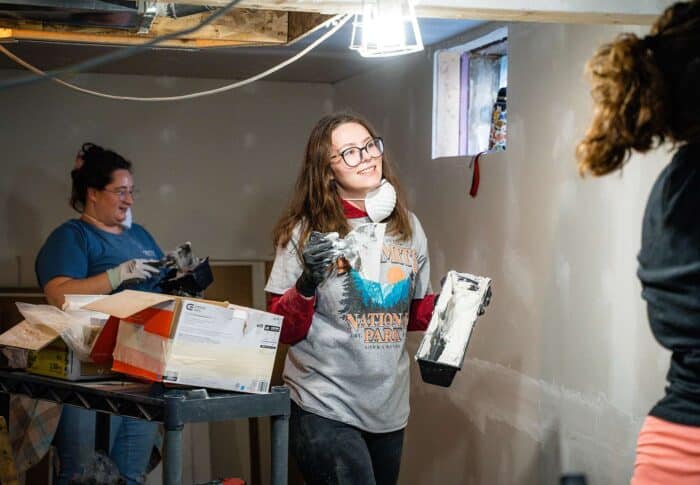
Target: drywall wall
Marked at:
562, 368
216, 171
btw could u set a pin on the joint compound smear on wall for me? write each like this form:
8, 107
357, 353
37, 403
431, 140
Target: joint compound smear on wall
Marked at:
593, 433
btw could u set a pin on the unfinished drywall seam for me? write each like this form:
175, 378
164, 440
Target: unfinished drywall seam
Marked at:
539, 409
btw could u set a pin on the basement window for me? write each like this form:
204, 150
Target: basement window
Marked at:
469, 96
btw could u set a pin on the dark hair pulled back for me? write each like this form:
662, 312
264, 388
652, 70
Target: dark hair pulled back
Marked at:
94, 169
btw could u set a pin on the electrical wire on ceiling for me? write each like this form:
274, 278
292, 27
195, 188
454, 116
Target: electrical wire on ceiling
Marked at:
339, 20
116, 55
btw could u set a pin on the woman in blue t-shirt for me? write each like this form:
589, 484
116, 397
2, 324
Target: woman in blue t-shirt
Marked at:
98, 254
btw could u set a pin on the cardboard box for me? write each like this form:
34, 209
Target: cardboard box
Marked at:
57, 360
49, 355
188, 341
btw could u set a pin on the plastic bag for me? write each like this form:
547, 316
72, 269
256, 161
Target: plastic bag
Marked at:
77, 328
99, 470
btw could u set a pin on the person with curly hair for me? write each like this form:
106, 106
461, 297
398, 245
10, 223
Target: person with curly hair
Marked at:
646, 92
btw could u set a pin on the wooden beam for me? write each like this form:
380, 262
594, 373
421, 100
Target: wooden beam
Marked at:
302, 24
104, 39
633, 12
537, 16
246, 25
239, 27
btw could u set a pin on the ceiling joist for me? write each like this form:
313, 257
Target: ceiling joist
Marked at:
272, 22
241, 26
632, 12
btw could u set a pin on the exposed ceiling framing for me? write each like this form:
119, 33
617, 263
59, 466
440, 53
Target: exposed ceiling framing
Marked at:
632, 12
240, 26
260, 23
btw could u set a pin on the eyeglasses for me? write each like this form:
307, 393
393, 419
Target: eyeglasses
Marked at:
352, 156
122, 192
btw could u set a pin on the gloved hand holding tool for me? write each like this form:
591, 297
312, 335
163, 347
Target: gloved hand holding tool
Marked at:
318, 255
132, 271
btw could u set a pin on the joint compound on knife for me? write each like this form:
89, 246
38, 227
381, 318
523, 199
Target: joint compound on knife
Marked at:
362, 249
462, 300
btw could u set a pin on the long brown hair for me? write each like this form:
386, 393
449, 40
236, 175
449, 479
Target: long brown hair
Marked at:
316, 204
646, 90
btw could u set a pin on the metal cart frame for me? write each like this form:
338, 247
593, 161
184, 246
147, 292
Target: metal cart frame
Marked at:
172, 407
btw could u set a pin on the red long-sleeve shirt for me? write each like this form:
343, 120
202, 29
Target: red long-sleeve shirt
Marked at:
298, 310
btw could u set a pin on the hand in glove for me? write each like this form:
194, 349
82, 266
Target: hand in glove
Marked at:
319, 254
132, 271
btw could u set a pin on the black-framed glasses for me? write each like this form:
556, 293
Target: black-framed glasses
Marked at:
352, 156
122, 192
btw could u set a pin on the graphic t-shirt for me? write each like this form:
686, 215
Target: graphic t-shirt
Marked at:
353, 365
79, 250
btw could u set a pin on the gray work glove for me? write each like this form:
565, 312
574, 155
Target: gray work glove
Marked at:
319, 254
132, 271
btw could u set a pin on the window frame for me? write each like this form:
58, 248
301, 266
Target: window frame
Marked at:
464, 44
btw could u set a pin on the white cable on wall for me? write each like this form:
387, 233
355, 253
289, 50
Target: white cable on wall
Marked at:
340, 19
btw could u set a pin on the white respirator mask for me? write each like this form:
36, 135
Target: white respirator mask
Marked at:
380, 202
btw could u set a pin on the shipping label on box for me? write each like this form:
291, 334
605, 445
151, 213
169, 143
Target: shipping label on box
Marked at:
227, 348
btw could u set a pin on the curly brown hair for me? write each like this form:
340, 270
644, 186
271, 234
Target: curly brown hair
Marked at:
316, 204
645, 91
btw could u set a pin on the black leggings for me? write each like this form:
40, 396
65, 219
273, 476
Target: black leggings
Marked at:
329, 452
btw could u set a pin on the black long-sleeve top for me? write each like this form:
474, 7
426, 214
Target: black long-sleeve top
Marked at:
669, 269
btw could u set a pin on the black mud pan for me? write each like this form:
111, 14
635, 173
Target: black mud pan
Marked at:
436, 373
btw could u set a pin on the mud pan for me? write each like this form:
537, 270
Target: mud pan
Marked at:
437, 373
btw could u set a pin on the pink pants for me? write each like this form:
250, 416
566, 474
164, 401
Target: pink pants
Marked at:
667, 454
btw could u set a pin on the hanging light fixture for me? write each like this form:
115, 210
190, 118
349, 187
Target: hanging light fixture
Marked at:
386, 28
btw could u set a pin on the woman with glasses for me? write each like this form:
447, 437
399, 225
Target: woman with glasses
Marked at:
97, 254
347, 367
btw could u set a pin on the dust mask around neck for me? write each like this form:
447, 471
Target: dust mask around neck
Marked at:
128, 219
380, 202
